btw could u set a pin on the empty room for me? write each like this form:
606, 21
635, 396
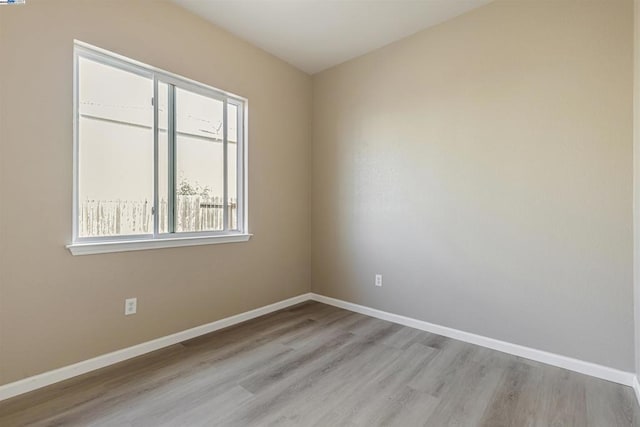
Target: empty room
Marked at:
320, 213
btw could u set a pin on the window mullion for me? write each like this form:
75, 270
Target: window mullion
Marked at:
225, 167
156, 197
171, 135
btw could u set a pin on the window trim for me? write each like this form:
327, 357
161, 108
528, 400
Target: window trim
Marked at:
103, 247
104, 244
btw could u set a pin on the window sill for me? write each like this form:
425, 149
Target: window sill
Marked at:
90, 248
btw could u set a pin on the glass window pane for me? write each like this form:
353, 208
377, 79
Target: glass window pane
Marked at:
115, 134
199, 163
232, 165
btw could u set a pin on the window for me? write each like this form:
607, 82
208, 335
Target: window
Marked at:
159, 159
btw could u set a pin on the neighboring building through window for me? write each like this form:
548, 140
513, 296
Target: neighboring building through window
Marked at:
157, 156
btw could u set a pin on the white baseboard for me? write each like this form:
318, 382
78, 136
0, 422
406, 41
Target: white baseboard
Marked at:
588, 368
51, 377
47, 378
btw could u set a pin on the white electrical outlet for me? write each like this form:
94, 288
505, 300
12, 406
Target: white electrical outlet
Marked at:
130, 306
379, 280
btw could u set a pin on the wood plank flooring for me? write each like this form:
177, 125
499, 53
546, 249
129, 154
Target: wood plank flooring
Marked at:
317, 365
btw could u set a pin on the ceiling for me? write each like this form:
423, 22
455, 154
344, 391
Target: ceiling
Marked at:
314, 35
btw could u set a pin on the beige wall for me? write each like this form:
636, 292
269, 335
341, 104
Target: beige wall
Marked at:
484, 167
636, 179
56, 309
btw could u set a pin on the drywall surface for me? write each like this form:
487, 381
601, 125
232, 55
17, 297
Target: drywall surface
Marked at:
484, 168
57, 309
636, 179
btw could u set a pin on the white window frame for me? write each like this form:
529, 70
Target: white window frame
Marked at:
105, 244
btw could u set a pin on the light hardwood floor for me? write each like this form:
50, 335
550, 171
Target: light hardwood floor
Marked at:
313, 364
